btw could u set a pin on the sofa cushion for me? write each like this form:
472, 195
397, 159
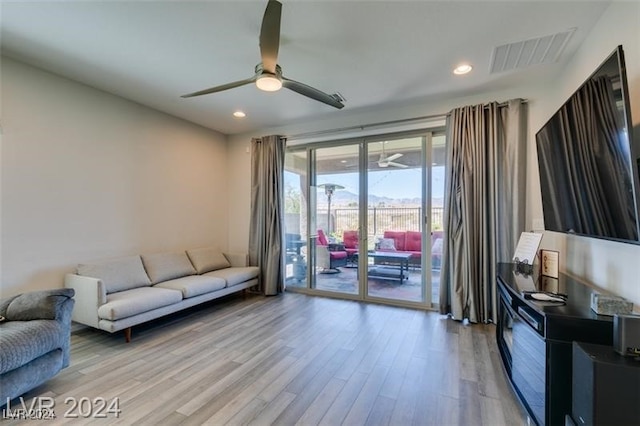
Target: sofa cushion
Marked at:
194, 285
167, 266
132, 302
24, 341
207, 259
235, 276
119, 274
413, 241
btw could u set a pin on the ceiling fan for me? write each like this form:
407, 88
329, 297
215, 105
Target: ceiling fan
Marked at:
268, 74
385, 161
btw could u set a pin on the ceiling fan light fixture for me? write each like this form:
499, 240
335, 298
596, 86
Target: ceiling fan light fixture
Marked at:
269, 83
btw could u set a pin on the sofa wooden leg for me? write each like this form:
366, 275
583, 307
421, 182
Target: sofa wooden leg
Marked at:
127, 334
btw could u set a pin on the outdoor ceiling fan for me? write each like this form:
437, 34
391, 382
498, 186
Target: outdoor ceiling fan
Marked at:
385, 161
268, 74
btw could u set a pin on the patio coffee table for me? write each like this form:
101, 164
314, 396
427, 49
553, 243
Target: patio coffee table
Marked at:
398, 261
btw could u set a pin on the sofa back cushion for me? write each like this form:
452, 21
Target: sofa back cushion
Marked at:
118, 274
413, 241
167, 266
208, 259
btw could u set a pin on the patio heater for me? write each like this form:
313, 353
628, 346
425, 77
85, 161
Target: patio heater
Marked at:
329, 189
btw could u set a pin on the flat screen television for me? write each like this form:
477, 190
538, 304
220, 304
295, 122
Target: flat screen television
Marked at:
587, 160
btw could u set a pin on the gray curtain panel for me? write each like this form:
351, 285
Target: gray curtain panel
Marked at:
484, 204
267, 212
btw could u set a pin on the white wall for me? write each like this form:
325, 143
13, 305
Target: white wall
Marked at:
87, 175
602, 263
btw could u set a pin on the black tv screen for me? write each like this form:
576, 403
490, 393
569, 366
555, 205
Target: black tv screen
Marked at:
588, 167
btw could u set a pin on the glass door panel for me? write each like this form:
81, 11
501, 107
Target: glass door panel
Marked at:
394, 219
335, 182
296, 203
436, 218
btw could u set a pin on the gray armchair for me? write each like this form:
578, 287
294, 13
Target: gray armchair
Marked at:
35, 331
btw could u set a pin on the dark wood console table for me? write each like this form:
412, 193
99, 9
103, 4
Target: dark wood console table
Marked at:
535, 339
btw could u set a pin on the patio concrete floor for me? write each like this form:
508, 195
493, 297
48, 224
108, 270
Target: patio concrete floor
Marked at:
346, 281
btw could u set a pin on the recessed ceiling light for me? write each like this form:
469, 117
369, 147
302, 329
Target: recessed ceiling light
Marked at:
462, 69
343, 161
239, 114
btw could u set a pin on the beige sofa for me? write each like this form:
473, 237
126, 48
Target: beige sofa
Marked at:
117, 294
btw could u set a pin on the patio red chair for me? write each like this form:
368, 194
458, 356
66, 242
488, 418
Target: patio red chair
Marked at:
350, 241
329, 256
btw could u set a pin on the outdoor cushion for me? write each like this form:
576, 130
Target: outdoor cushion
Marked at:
194, 285
118, 274
234, 276
350, 241
387, 244
24, 341
413, 241
208, 259
414, 254
132, 302
167, 266
322, 239
338, 254
398, 238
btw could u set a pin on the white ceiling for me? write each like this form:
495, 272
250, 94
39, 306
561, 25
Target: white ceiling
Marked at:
377, 54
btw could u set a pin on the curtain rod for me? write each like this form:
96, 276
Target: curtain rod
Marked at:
364, 126
381, 124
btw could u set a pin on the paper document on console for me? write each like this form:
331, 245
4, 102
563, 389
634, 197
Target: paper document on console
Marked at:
527, 247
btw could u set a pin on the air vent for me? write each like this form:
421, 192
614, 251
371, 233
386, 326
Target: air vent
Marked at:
535, 51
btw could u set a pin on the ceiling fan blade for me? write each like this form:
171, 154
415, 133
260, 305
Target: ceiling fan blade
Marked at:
402, 166
270, 36
394, 157
312, 93
221, 88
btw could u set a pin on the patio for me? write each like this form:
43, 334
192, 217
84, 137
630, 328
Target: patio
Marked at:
346, 281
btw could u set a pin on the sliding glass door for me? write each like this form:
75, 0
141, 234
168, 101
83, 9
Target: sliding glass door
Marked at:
395, 186
335, 181
355, 218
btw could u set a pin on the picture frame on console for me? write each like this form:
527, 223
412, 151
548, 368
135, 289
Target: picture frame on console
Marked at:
549, 263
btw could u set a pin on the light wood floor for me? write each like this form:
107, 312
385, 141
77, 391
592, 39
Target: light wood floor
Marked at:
288, 360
